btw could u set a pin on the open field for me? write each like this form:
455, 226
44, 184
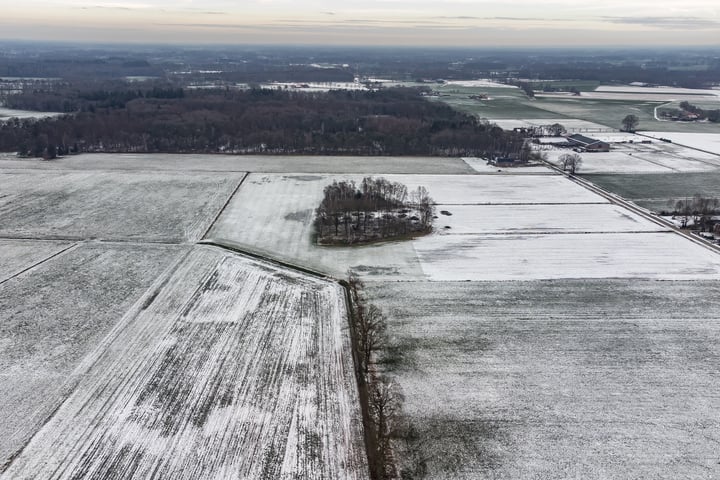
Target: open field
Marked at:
480, 165
55, 315
709, 142
662, 256
19, 255
657, 157
6, 113
533, 219
571, 125
229, 369
531, 338
272, 215
165, 206
654, 191
241, 163
591, 379
501, 104
670, 91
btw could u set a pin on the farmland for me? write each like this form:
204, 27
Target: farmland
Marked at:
547, 332
508, 227
55, 315
555, 379
229, 368
654, 191
657, 157
81, 205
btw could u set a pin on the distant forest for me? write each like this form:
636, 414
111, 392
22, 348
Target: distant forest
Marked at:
396, 121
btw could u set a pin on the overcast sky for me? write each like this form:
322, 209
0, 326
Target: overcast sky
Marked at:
472, 23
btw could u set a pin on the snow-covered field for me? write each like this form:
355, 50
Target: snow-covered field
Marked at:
657, 157
480, 165
555, 229
532, 338
483, 83
709, 142
164, 206
242, 163
54, 315
570, 218
591, 379
228, 369
656, 90
660, 256
571, 125
651, 95
19, 255
6, 113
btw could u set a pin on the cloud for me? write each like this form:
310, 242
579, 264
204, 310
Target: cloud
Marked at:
674, 23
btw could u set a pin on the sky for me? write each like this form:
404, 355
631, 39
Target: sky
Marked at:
468, 23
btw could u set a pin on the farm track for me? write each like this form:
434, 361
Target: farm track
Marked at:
233, 370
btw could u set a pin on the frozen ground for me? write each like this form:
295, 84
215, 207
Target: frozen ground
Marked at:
484, 83
162, 206
662, 256
242, 163
228, 369
19, 255
591, 379
516, 219
56, 314
551, 227
6, 113
709, 142
657, 90
480, 165
657, 157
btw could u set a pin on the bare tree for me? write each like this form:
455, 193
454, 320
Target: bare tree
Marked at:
570, 162
385, 407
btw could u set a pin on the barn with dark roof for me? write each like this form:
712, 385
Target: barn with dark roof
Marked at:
588, 144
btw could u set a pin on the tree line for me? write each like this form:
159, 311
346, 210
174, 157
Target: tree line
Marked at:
388, 122
381, 398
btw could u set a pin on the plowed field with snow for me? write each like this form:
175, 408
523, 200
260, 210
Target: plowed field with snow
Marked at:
53, 316
226, 369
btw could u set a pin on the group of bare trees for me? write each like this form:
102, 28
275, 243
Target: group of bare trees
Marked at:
570, 162
700, 209
381, 396
374, 210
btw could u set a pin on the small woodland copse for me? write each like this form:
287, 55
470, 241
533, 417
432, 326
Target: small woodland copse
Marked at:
376, 209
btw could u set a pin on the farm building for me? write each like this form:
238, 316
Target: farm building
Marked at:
588, 144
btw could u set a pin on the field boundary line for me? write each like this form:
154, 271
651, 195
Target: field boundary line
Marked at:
37, 264
227, 202
239, 249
